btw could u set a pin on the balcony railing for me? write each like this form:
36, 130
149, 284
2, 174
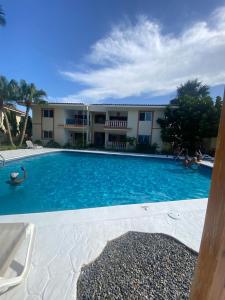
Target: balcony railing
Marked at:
116, 124
76, 122
117, 145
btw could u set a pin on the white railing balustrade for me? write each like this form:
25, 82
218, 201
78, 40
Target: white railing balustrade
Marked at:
116, 124
117, 145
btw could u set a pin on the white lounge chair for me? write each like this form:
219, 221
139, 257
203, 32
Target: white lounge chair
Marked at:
30, 145
12, 238
208, 158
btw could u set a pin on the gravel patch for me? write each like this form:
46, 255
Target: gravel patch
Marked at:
139, 266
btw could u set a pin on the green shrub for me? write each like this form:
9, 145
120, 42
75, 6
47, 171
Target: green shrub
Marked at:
166, 152
68, 146
53, 144
8, 147
78, 145
38, 142
151, 149
131, 140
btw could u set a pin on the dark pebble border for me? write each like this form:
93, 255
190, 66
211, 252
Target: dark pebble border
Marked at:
139, 266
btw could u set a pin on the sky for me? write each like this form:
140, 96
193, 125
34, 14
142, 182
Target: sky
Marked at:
114, 51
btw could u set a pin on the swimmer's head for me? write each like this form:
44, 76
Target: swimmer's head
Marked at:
14, 175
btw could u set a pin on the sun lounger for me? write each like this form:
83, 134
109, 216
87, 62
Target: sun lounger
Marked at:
208, 158
12, 237
30, 145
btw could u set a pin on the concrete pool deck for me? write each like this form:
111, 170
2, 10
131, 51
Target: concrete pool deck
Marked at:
66, 240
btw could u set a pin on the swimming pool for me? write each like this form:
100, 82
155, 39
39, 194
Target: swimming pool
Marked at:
67, 180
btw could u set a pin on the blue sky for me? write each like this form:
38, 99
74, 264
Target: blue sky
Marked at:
129, 51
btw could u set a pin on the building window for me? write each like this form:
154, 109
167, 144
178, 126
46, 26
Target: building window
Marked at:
117, 118
143, 139
80, 117
47, 134
117, 138
145, 116
100, 119
47, 113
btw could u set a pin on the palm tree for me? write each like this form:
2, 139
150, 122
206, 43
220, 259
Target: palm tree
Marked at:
29, 95
2, 17
8, 93
191, 88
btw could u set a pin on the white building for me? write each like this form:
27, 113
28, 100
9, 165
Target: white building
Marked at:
102, 125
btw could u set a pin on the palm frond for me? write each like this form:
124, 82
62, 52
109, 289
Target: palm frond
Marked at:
2, 17
30, 94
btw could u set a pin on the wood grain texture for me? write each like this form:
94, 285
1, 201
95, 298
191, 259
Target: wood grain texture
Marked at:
209, 279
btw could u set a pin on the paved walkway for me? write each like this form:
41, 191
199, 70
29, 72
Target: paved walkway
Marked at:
66, 240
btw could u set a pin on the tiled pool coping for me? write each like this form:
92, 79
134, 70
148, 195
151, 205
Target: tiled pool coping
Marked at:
66, 240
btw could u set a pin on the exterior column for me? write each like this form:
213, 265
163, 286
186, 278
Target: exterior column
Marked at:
88, 127
107, 115
106, 139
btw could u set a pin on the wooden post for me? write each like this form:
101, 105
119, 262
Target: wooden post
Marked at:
209, 278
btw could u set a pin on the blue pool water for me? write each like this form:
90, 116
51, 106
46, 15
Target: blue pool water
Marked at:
65, 180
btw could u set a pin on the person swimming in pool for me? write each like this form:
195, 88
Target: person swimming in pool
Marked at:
15, 180
191, 163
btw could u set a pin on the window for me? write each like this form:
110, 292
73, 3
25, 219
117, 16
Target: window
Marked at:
48, 113
100, 118
47, 134
145, 116
80, 117
143, 139
117, 138
117, 118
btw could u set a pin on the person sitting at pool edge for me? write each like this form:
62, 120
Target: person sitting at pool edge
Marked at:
198, 154
15, 180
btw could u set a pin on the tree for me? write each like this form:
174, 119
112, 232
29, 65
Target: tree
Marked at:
29, 95
192, 88
12, 121
8, 92
2, 17
29, 126
194, 118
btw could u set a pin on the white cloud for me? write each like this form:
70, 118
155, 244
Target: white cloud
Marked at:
139, 60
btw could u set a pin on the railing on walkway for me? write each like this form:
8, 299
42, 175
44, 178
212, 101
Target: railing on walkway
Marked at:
117, 145
116, 124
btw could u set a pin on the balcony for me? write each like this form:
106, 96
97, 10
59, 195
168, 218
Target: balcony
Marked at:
116, 124
72, 123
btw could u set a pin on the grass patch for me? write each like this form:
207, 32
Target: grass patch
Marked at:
9, 147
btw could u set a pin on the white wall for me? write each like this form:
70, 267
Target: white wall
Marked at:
60, 135
157, 114
156, 138
132, 123
36, 123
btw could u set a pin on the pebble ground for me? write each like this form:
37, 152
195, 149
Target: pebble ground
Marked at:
139, 266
